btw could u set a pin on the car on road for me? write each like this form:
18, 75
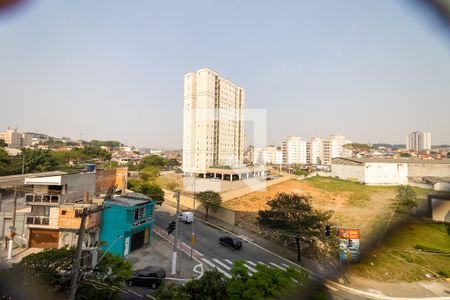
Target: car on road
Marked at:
186, 217
233, 243
151, 277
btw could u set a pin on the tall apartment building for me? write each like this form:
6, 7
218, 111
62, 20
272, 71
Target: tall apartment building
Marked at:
314, 151
333, 147
213, 128
16, 139
418, 141
294, 150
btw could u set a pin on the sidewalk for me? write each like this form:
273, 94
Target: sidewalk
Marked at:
159, 253
18, 254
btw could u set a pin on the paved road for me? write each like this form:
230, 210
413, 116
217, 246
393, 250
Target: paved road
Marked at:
216, 255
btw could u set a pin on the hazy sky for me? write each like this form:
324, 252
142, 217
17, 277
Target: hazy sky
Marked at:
371, 70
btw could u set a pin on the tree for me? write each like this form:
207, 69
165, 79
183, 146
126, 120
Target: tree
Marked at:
405, 155
358, 147
3, 144
52, 268
406, 197
150, 190
149, 172
37, 160
209, 200
211, 286
292, 216
267, 283
154, 161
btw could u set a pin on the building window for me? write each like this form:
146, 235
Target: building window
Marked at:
139, 213
63, 212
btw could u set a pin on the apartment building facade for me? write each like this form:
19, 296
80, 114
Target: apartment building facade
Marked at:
294, 150
267, 155
314, 151
418, 141
213, 125
49, 195
333, 147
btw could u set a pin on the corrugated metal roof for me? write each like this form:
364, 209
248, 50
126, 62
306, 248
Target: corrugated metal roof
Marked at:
13, 180
343, 160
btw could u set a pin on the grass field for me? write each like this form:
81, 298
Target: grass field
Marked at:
402, 255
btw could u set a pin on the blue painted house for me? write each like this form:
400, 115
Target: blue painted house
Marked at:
126, 223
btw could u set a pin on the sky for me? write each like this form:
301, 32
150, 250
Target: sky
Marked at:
370, 70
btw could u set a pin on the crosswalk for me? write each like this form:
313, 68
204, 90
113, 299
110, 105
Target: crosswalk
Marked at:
224, 265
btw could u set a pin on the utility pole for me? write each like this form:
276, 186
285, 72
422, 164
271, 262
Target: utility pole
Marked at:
193, 237
13, 226
78, 251
76, 263
175, 238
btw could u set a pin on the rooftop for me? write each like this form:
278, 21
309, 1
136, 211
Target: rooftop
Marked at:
130, 199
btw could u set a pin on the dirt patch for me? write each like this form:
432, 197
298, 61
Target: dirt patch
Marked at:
368, 211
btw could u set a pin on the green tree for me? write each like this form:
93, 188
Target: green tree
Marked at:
154, 161
211, 286
209, 200
405, 155
37, 160
267, 283
3, 144
358, 147
149, 172
406, 197
150, 190
52, 267
292, 216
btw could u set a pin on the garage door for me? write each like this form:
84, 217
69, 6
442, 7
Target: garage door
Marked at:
43, 238
137, 240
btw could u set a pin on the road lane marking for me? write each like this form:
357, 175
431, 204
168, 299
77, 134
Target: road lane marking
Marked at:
228, 261
250, 268
216, 267
279, 267
261, 263
222, 264
286, 266
251, 263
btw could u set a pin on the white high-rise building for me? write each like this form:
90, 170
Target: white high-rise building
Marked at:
418, 141
294, 150
314, 151
213, 128
267, 155
333, 147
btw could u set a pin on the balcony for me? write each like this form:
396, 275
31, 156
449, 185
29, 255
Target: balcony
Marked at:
44, 199
38, 220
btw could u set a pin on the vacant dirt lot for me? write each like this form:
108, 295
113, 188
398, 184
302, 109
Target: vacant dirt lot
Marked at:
357, 206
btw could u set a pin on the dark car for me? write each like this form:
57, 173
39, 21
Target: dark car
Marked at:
233, 243
149, 276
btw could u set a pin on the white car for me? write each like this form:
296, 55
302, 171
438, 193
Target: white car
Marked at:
186, 217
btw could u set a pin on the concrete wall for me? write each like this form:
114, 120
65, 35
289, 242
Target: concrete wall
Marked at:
442, 186
222, 214
77, 185
347, 172
440, 210
417, 171
21, 228
386, 173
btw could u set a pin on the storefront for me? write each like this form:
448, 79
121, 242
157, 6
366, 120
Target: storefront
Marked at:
127, 223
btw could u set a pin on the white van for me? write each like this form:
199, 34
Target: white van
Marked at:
186, 217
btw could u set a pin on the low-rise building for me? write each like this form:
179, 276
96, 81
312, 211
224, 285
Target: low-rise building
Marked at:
48, 194
379, 171
126, 223
439, 208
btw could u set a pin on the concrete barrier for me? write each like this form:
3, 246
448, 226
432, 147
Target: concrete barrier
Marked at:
186, 202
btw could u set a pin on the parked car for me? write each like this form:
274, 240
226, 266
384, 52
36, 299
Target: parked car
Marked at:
233, 243
149, 276
186, 217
